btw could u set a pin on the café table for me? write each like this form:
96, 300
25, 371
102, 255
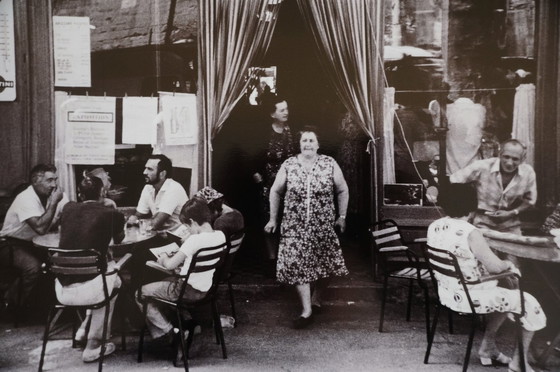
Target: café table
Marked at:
542, 249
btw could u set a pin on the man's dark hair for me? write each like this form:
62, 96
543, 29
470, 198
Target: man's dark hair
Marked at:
458, 199
196, 209
164, 164
270, 101
39, 170
90, 188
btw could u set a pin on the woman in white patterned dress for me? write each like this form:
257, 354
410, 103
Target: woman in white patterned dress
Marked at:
456, 235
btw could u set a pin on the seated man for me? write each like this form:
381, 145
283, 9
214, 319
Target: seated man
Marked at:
224, 218
34, 211
90, 225
505, 187
162, 198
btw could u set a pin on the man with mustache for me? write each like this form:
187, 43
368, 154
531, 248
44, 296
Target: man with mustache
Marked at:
162, 198
35, 211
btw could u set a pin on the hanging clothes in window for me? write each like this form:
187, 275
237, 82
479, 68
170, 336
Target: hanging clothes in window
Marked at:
523, 127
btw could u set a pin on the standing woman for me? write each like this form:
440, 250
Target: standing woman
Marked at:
309, 249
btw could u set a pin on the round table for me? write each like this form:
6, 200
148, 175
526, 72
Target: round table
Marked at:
132, 236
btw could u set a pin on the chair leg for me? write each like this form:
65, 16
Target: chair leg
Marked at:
427, 311
450, 321
409, 301
123, 324
182, 345
469, 343
18, 305
104, 335
431, 335
383, 300
374, 264
520, 342
218, 327
50, 317
142, 332
232, 301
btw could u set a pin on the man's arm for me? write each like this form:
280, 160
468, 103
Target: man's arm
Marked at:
159, 220
42, 224
468, 174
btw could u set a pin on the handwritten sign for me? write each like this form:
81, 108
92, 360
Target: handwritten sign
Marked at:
7, 52
72, 57
89, 130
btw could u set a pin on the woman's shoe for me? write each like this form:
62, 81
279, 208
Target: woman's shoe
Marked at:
91, 355
494, 360
303, 322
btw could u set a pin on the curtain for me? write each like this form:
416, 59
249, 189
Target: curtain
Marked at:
346, 35
233, 36
65, 172
389, 136
523, 127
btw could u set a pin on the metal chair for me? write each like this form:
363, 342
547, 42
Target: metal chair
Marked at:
205, 260
76, 264
444, 263
398, 261
235, 241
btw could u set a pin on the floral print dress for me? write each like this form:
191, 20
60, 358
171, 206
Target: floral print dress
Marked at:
452, 235
309, 247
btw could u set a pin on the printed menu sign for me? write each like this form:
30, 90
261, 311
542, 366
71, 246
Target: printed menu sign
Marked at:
90, 130
72, 57
7, 52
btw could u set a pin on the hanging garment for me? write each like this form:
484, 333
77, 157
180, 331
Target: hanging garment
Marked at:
523, 128
388, 135
465, 120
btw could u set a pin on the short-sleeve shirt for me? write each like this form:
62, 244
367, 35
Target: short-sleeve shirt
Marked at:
25, 206
200, 281
490, 191
170, 199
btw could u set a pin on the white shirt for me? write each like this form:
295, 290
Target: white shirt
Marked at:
170, 199
200, 281
26, 205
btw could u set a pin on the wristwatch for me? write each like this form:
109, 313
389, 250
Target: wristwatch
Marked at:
343, 217
516, 211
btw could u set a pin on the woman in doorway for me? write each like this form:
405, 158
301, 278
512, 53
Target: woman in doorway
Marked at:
309, 250
280, 147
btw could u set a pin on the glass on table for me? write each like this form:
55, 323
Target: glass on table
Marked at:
145, 226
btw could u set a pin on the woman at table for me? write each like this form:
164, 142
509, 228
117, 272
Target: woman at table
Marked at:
309, 251
90, 225
456, 234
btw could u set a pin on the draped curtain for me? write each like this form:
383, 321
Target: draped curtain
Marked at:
523, 127
348, 34
233, 36
389, 136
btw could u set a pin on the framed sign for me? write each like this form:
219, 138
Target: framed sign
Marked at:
7, 52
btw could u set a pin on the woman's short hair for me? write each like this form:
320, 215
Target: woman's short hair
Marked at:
308, 129
196, 209
90, 188
270, 101
458, 199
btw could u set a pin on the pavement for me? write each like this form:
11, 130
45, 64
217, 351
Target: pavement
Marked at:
344, 337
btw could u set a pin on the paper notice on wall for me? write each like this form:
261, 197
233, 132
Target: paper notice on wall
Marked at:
72, 57
89, 130
7, 52
139, 120
180, 121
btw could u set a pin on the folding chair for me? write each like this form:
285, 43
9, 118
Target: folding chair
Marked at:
77, 263
205, 260
398, 261
235, 241
444, 263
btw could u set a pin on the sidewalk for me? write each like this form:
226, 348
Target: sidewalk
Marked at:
344, 337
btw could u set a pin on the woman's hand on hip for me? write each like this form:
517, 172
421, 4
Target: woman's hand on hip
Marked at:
270, 227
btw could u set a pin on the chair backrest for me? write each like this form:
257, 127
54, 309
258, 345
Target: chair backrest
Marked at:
443, 263
385, 234
234, 240
76, 265
207, 260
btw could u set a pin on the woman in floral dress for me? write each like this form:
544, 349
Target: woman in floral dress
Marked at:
476, 260
309, 247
